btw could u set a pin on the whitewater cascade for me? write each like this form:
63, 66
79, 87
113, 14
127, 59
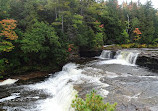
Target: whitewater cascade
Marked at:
128, 56
124, 57
60, 88
107, 54
117, 79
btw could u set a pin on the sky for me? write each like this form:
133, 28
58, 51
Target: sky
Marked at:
154, 2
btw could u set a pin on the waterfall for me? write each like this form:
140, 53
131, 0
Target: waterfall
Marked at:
124, 57
60, 87
128, 56
107, 54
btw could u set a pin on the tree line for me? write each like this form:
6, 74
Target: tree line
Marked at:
36, 34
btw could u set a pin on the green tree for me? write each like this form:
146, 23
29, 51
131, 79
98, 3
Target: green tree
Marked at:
146, 15
112, 23
156, 28
4, 9
93, 102
41, 43
7, 35
25, 12
124, 39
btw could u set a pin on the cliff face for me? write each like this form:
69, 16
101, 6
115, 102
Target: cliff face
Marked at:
148, 58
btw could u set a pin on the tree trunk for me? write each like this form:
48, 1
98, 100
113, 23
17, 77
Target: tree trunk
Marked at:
128, 24
62, 24
81, 7
56, 14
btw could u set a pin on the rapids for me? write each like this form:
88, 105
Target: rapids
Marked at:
8, 81
115, 76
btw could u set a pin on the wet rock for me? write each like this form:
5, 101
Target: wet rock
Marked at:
32, 75
148, 61
133, 95
148, 58
90, 53
78, 88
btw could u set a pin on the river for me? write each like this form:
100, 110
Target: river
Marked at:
115, 76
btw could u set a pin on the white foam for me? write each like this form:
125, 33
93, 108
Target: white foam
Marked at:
8, 82
13, 96
132, 97
122, 57
111, 74
60, 102
103, 92
116, 61
60, 88
36, 97
154, 77
106, 54
128, 56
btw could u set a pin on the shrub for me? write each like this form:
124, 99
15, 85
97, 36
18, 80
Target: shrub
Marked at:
3, 66
131, 45
93, 102
134, 45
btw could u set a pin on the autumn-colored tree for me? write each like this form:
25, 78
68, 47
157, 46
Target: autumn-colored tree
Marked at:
138, 33
46, 27
70, 47
7, 33
8, 25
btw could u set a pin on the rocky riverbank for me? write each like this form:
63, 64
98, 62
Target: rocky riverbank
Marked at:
148, 58
132, 87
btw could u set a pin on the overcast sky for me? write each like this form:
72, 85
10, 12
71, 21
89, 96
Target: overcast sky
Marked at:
154, 2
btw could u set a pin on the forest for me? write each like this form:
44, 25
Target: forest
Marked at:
39, 35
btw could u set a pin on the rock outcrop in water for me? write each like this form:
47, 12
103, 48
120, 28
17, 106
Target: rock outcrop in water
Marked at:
148, 58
